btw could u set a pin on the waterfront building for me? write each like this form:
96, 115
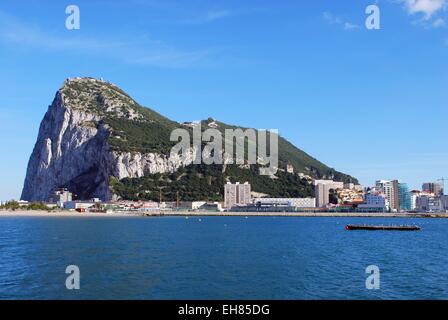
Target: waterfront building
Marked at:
60, 196
374, 200
422, 203
428, 202
236, 194
190, 205
292, 202
127, 205
23, 203
76, 205
435, 204
391, 190
405, 197
444, 202
414, 196
433, 187
322, 190
213, 207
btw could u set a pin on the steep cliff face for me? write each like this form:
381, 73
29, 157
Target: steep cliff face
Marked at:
73, 147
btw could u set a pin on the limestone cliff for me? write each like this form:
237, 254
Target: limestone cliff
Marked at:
73, 147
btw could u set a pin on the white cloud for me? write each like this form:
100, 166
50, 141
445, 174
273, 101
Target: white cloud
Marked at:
333, 19
427, 7
208, 17
140, 50
350, 26
439, 23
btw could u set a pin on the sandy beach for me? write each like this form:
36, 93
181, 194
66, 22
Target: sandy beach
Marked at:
37, 213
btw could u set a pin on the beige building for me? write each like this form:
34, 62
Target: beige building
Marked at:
236, 194
352, 186
322, 191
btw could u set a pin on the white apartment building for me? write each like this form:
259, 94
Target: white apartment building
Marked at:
375, 200
414, 196
390, 189
236, 194
293, 202
74, 205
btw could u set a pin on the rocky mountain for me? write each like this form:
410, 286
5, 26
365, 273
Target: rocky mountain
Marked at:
97, 141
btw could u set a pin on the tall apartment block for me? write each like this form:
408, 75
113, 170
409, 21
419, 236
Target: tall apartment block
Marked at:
390, 188
405, 197
433, 187
236, 194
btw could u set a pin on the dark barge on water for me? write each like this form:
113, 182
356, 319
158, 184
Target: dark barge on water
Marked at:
386, 228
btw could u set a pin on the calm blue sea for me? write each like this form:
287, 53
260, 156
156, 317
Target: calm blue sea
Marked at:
220, 258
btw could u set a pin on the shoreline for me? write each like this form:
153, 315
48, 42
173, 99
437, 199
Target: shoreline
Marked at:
41, 213
37, 213
302, 214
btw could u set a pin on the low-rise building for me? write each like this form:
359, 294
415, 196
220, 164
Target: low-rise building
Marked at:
444, 201
125, 205
292, 202
190, 205
322, 190
75, 205
59, 196
375, 200
214, 207
428, 202
349, 196
23, 203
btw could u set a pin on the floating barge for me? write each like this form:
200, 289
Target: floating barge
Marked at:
386, 228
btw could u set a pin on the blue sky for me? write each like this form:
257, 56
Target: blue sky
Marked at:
371, 103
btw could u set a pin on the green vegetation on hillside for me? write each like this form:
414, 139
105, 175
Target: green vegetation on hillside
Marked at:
139, 136
206, 182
